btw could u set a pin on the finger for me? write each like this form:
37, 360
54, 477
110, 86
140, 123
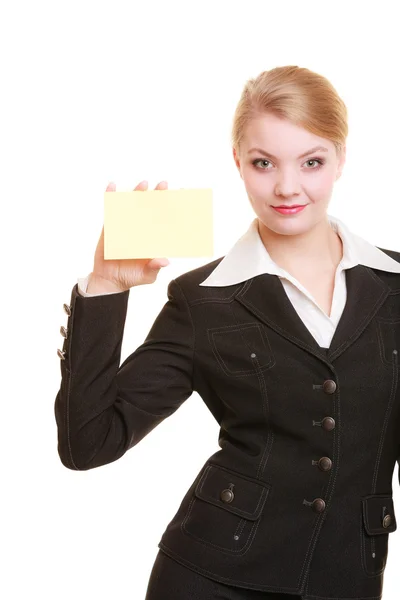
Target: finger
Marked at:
162, 262
142, 186
110, 188
163, 185
156, 263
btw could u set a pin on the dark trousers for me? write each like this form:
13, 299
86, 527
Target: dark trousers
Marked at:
169, 580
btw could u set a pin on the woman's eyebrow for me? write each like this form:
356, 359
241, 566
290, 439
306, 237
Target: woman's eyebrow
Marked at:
315, 149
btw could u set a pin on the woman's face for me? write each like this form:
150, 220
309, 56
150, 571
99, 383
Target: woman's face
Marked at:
282, 178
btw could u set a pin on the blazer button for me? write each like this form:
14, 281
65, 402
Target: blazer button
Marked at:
318, 505
387, 521
61, 353
67, 309
325, 463
329, 386
227, 495
328, 423
63, 331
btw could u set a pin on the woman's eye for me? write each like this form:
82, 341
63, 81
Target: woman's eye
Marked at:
260, 160
314, 160
311, 160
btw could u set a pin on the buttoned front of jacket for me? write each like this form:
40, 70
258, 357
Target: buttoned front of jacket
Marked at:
309, 440
298, 498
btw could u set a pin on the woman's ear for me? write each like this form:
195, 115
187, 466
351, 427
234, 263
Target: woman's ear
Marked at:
237, 161
342, 160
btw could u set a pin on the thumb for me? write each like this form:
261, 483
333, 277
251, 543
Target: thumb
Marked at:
158, 264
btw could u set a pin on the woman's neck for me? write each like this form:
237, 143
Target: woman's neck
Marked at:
319, 249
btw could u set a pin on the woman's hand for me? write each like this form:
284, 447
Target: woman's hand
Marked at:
120, 275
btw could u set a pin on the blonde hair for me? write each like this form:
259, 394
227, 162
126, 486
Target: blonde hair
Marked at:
297, 94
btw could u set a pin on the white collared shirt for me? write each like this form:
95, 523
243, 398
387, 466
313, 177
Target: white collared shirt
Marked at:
248, 258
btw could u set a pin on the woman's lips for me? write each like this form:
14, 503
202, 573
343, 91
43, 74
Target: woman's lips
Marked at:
289, 211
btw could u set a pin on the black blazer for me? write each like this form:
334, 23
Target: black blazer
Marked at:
299, 497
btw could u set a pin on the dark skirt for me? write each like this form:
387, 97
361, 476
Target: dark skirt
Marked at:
169, 580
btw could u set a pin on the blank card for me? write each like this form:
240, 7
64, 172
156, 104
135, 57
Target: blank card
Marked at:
158, 223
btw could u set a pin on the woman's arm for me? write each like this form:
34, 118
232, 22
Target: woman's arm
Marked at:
103, 408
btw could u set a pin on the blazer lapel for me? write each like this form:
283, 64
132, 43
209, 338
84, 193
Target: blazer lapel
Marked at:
265, 297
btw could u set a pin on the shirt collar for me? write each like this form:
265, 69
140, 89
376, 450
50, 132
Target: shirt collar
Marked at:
248, 257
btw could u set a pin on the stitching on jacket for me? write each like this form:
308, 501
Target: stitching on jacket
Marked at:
384, 293
386, 419
381, 343
318, 524
270, 435
264, 490
248, 584
240, 551
371, 541
310, 596
211, 331
253, 530
264, 397
216, 298
69, 383
363, 552
193, 327
378, 322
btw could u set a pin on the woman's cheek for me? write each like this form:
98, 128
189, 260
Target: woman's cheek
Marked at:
258, 186
322, 188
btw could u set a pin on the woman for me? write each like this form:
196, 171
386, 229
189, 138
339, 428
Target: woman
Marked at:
291, 341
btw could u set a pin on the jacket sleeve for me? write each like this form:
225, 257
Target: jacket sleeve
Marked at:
102, 408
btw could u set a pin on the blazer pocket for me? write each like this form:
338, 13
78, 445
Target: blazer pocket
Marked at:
389, 339
378, 520
225, 509
241, 350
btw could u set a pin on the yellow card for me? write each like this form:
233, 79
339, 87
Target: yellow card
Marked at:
158, 223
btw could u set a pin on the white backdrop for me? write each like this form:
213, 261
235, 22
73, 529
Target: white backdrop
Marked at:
94, 92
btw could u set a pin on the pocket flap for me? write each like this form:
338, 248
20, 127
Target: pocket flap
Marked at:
378, 514
236, 493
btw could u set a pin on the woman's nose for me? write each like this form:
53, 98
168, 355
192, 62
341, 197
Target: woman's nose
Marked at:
287, 185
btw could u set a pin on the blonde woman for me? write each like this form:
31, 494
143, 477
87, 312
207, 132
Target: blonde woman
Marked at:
291, 339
